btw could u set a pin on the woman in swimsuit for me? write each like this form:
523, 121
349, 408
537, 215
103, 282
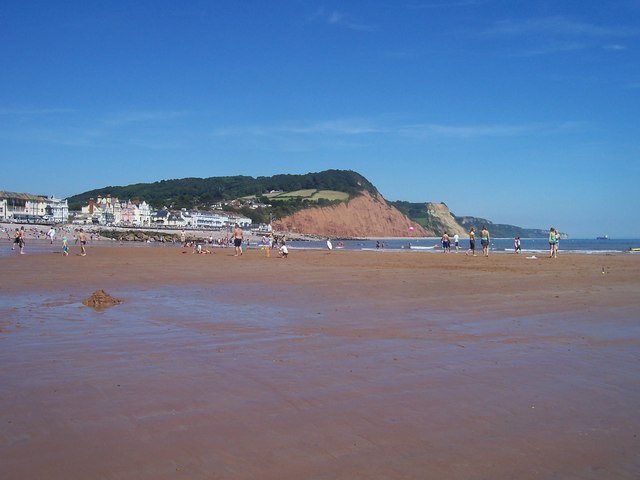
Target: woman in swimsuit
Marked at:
553, 243
484, 241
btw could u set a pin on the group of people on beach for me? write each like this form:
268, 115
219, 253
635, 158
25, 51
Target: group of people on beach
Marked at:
20, 240
485, 240
446, 242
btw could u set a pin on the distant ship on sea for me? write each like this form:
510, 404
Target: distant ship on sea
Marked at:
604, 237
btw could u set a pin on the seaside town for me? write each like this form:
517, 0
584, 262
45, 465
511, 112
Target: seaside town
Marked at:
110, 211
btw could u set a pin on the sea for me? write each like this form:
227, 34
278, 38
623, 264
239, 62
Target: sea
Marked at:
533, 246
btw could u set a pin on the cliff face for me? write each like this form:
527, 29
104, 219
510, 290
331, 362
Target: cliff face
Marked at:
440, 220
362, 216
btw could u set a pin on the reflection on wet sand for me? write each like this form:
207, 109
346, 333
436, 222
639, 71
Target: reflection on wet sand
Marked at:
346, 365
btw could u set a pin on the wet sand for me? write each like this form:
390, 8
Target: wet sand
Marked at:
346, 365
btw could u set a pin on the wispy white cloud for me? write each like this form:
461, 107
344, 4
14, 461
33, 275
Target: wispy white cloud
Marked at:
343, 20
35, 111
452, 3
558, 34
558, 26
430, 130
146, 129
616, 47
60, 136
124, 118
355, 127
330, 127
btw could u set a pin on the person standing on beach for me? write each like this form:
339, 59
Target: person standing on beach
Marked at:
83, 241
456, 242
51, 234
485, 239
553, 243
472, 241
516, 245
237, 240
446, 243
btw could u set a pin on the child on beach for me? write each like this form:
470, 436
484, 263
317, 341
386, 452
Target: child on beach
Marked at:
65, 246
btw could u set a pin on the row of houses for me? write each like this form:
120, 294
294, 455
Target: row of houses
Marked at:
24, 207
110, 211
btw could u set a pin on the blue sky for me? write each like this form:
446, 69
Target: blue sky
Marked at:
522, 112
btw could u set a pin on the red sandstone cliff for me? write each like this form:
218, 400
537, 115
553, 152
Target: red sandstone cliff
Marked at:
363, 216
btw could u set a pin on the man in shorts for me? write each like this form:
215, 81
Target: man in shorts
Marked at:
472, 242
237, 239
83, 241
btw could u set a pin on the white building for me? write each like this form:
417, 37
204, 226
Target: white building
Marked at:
135, 214
25, 207
209, 220
244, 222
104, 210
57, 210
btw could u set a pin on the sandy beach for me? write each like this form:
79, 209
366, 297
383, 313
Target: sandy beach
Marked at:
342, 365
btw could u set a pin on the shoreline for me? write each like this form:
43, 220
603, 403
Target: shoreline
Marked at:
533, 249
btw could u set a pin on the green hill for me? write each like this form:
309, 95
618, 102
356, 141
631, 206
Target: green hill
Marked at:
500, 230
418, 213
192, 193
284, 193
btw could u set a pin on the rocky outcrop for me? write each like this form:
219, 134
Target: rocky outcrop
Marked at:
362, 216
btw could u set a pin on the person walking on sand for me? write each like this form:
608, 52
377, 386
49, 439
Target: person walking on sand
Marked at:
237, 240
16, 239
553, 243
472, 242
51, 234
22, 235
83, 241
65, 246
516, 245
485, 239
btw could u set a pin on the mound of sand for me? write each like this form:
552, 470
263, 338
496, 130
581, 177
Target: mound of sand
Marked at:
100, 300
